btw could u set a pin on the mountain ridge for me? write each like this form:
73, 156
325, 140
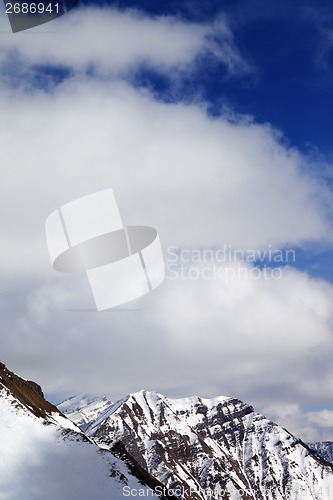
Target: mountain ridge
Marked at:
206, 448
149, 445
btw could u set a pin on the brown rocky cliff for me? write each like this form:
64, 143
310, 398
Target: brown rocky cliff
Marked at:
28, 393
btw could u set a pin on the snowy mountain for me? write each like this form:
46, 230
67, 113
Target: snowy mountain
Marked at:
43, 455
324, 449
83, 409
191, 448
212, 449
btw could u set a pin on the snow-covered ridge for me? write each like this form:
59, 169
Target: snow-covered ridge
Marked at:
81, 409
45, 455
40, 461
218, 448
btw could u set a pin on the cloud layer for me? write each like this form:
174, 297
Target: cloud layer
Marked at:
209, 181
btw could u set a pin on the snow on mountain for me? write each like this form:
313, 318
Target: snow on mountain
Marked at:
30, 396
205, 449
45, 456
82, 409
191, 449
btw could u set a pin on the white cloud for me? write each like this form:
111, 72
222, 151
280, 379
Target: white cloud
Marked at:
195, 178
114, 42
311, 426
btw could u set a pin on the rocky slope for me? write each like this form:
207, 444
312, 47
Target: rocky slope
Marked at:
212, 449
29, 395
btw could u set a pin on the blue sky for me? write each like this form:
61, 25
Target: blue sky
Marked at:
212, 123
288, 45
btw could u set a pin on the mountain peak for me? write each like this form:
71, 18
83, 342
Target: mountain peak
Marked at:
191, 448
197, 445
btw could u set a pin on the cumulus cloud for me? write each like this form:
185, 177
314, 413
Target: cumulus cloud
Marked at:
207, 180
201, 181
113, 42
